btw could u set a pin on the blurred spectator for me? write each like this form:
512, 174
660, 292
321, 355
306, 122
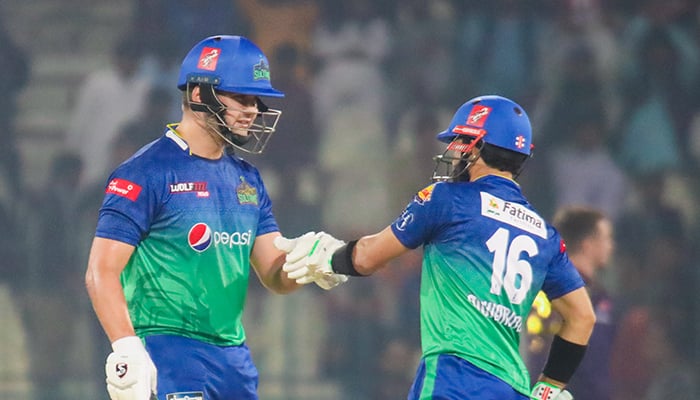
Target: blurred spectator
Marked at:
349, 93
277, 23
589, 238
408, 306
584, 172
183, 22
350, 44
290, 163
413, 149
588, 234
576, 93
675, 376
574, 118
148, 125
678, 20
15, 66
427, 29
656, 268
659, 108
14, 348
395, 369
496, 46
161, 66
578, 54
354, 318
109, 98
648, 362
649, 219
54, 297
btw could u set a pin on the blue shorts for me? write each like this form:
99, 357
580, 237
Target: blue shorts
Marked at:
194, 370
447, 377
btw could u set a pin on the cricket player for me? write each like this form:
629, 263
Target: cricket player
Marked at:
182, 222
589, 237
487, 253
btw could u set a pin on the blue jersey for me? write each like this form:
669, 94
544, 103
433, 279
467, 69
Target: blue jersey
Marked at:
487, 253
193, 222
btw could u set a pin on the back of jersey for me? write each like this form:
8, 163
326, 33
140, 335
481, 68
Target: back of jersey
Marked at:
487, 254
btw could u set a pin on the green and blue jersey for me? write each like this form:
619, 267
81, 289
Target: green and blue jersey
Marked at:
193, 222
487, 253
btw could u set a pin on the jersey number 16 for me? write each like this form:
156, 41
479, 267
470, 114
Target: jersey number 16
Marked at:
509, 271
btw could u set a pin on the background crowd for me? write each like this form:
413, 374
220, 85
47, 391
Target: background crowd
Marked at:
612, 88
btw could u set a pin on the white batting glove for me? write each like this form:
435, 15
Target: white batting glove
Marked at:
309, 259
328, 282
547, 391
131, 375
298, 248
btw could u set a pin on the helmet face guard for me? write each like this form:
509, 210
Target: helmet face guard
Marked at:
454, 162
494, 120
231, 64
251, 140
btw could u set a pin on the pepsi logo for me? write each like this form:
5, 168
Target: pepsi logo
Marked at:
199, 237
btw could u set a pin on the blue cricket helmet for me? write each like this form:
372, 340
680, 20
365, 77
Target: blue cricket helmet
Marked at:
229, 63
494, 119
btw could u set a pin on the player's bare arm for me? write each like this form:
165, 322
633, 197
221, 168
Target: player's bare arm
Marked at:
577, 326
107, 260
267, 261
373, 252
578, 315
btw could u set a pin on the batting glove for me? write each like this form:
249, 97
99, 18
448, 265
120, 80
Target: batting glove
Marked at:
547, 391
309, 259
131, 375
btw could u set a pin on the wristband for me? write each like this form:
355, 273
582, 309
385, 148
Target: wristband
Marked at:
341, 261
128, 344
564, 358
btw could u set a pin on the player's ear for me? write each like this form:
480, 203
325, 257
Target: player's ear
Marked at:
474, 154
196, 95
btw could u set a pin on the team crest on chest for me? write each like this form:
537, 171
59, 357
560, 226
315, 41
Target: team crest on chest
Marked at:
246, 194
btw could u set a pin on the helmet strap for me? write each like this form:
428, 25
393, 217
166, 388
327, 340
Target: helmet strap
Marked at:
211, 104
469, 157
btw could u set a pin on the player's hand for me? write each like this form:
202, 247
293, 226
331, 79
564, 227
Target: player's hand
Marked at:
131, 375
309, 259
328, 282
547, 391
297, 248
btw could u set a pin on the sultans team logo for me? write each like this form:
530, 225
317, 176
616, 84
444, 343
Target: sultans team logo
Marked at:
261, 71
246, 194
199, 237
